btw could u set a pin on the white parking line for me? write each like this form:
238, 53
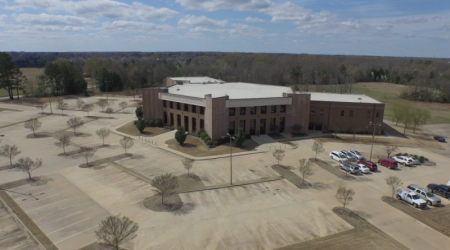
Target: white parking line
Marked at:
59, 219
69, 225
75, 234
52, 212
38, 200
45, 205
26, 242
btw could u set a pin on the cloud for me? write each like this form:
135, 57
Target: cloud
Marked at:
200, 21
53, 20
254, 20
243, 29
212, 5
130, 26
409, 20
105, 8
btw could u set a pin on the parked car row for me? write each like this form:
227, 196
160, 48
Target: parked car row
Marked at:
346, 157
393, 162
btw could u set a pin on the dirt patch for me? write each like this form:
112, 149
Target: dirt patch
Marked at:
437, 218
172, 204
105, 160
75, 152
194, 147
130, 129
99, 246
189, 182
291, 176
363, 236
333, 169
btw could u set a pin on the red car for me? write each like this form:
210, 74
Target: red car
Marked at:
391, 164
371, 165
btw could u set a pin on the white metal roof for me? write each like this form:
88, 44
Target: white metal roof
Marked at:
235, 90
199, 79
334, 97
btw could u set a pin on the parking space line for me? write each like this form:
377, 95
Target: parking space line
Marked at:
51, 212
45, 205
69, 225
26, 242
75, 234
23, 205
59, 219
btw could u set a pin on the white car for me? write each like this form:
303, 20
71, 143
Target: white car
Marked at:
350, 155
403, 160
414, 160
338, 156
364, 169
357, 154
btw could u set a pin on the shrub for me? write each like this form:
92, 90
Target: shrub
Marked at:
399, 154
151, 123
180, 135
158, 123
405, 154
207, 138
209, 143
140, 125
421, 159
216, 143
415, 156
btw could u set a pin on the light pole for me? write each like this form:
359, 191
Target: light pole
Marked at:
231, 158
373, 136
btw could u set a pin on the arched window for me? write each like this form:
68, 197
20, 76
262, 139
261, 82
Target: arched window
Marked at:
342, 113
378, 114
313, 112
321, 112
351, 113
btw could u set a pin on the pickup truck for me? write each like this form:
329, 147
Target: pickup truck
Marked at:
442, 190
411, 198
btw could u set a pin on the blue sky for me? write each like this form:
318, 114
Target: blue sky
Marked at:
418, 28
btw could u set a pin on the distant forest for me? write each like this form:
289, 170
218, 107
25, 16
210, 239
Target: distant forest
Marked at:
428, 78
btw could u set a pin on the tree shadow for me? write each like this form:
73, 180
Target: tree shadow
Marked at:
172, 204
363, 214
321, 186
39, 135
137, 157
41, 181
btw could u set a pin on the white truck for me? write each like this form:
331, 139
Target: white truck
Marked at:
411, 198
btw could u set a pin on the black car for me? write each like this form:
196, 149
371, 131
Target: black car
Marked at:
439, 138
442, 190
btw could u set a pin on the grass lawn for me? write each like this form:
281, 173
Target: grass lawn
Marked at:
194, 147
31, 74
130, 129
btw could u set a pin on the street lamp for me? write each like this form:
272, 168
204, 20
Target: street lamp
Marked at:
231, 158
375, 125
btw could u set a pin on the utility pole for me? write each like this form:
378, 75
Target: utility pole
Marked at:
231, 158
373, 136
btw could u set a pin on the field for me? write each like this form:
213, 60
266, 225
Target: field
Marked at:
31, 74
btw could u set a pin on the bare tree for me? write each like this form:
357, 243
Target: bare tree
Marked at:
306, 169
62, 105
27, 165
419, 117
390, 149
87, 152
317, 148
33, 124
109, 111
10, 152
115, 230
74, 123
393, 182
87, 108
80, 104
188, 164
63, 141
123, 105
126, 143
165, 184
42, 107
103, 103
344, 195
278, 154
103, 133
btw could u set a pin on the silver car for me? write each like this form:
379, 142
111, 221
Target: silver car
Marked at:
357, 154
426, 195
349, 167
350, 155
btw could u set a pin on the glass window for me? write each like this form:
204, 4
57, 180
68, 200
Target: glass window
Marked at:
194, 109
232, 111
282, 125
313, 112
202, 110
321, 112
282, 108
377, 115
351, 113
186, 107
342, 113
368, 114
178, 106
263, 110
272, 124
242, 124
171, 105
253, 110
164, 104
243, 111
273, 109
231, 127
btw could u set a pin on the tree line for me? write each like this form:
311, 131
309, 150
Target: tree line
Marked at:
428, 78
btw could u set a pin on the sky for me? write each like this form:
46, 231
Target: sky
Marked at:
411, 28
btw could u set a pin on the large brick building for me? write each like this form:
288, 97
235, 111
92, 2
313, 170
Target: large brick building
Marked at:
222, 107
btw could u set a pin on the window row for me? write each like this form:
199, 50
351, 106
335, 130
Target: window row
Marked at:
185, 107
276, 125
190, 124
377, 114
254, 110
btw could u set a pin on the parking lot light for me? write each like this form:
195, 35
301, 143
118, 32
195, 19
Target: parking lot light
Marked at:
375, 125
